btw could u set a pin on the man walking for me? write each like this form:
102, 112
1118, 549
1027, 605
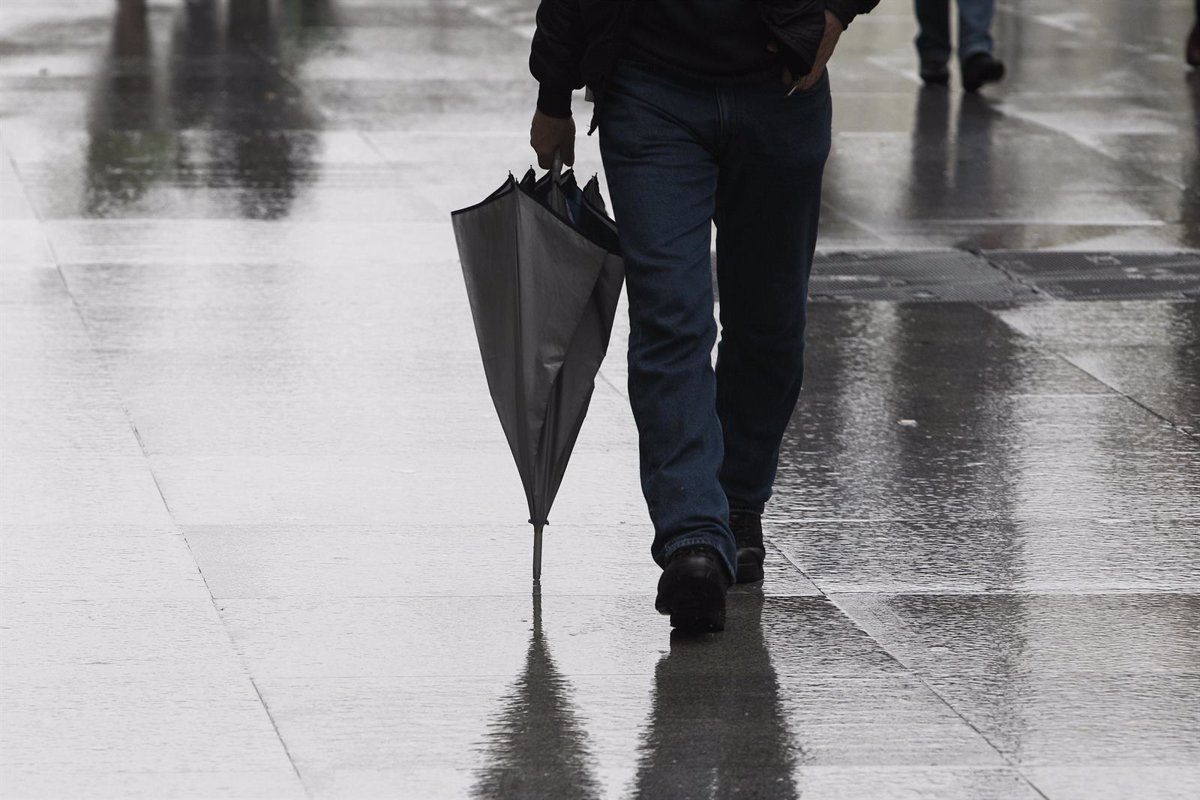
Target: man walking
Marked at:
708, 111
975, 60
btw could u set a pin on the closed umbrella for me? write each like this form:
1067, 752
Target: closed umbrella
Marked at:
543, 276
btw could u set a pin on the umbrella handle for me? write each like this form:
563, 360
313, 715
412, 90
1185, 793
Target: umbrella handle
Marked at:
557, 167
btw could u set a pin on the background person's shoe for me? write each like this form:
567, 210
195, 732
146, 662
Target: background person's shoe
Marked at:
1193, 46
692, 590
934, 73
979, 69
747, 530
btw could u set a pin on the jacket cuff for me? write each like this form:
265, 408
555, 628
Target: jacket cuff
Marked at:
844, 10
554, 101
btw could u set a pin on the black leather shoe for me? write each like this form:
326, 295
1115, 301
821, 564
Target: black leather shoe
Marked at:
979, 69
1192, 52
934, 73
692, 590
747, 530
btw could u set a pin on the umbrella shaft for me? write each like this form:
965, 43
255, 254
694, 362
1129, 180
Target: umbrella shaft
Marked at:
537, 553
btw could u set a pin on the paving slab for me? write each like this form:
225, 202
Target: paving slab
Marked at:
930, 556
1026, 669
262, 535
282, 785
765, 726
1155, 361
241, 562
81, 562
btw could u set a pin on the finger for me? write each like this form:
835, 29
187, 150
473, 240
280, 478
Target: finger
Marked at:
567, 150
545, 158
788, 80
810, 80
773, 46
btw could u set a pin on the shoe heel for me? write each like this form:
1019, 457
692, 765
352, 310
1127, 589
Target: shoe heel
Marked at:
692, 590
749, 572
698, 617
698, 608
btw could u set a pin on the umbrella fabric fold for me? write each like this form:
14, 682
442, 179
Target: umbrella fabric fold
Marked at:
543, 276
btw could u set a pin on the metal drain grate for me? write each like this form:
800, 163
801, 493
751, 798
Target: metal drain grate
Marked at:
1105, 276
946, 276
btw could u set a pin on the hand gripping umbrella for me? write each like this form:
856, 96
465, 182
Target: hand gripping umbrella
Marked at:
543, 275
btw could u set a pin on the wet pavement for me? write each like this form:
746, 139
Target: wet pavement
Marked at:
263, 536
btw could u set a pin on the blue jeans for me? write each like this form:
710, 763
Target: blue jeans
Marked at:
974, 28
679, 157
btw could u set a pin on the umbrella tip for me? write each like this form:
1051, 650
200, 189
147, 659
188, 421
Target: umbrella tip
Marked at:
537, 552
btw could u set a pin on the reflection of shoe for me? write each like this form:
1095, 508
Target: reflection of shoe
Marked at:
979, 69
692, 590
1193, 46
934, 73
747, 529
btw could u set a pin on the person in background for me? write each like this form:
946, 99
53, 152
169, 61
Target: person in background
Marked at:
708, 111
976, 63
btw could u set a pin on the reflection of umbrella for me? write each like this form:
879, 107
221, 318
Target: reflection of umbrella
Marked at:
536, 746
543, 277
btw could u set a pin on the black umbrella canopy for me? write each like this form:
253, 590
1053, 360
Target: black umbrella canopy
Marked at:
543, 277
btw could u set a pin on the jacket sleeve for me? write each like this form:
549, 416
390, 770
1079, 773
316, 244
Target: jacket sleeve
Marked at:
847, 10
556, 55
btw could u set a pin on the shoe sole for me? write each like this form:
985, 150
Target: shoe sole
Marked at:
695, 607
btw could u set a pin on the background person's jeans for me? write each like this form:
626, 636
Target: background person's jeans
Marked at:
974, 28
679, 157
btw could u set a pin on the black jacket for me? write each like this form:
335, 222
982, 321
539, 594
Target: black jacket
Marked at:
578, 42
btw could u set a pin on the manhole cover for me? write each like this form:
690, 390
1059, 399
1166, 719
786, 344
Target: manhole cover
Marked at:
1105, 276
946, 276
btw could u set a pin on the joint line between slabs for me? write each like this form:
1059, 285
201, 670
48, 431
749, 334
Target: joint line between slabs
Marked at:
1045, 348
792, 563
921, 679
100, 365
232, 643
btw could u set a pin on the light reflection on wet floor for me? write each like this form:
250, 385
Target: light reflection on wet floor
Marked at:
264, 538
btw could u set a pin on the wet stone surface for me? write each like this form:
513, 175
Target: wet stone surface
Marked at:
263, 537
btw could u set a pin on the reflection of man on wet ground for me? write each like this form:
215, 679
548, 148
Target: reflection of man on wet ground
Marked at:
696, 127
1193, 43
251, 135
735, 741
